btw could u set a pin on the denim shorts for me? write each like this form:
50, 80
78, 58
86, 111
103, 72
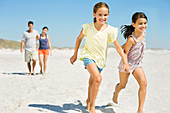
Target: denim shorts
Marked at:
89, 61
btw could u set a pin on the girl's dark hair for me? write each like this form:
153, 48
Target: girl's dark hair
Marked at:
127, 30
97, 6
45, 28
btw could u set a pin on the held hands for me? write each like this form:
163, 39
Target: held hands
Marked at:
126, 67
73, 59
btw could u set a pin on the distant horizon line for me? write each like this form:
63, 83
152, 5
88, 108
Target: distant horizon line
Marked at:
66, 47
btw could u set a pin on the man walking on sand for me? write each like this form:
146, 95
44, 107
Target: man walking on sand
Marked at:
29, 40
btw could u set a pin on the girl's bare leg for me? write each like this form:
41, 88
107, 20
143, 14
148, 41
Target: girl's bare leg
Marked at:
141, 79
93, 70
123, 81
88, 99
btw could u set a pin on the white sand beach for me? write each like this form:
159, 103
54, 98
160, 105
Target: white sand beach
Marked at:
64, 87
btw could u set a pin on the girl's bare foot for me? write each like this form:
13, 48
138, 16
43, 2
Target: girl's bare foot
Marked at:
88, 104
92, 111
140, 110
30, 73
115, 95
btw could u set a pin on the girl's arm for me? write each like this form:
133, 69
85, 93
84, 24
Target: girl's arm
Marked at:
129, 43
123, 46
49, 44
119, 49
78, 42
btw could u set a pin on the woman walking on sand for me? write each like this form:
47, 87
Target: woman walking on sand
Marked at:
98, 36
44, 49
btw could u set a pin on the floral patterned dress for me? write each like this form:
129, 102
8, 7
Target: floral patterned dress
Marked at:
135, 55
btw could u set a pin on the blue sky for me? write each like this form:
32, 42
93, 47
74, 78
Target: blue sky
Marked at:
65, 17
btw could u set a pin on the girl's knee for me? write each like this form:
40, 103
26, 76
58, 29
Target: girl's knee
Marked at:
143, 84
91, 82
122, 86
98, 79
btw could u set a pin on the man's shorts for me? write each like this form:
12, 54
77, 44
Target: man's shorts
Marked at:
30, 55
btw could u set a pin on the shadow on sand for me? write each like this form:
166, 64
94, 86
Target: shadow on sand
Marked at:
70, 106
21, 74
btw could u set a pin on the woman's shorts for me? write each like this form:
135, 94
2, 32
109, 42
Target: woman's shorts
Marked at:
89, 61
43, 51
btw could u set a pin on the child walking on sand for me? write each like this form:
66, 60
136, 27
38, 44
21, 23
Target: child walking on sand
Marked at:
134, 50
98, 36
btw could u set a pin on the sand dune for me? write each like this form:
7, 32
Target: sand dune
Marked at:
64, 88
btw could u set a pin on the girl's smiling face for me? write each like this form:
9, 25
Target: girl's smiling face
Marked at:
101, 15
140, 25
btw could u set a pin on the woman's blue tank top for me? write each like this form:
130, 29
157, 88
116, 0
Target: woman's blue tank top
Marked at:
43, 43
